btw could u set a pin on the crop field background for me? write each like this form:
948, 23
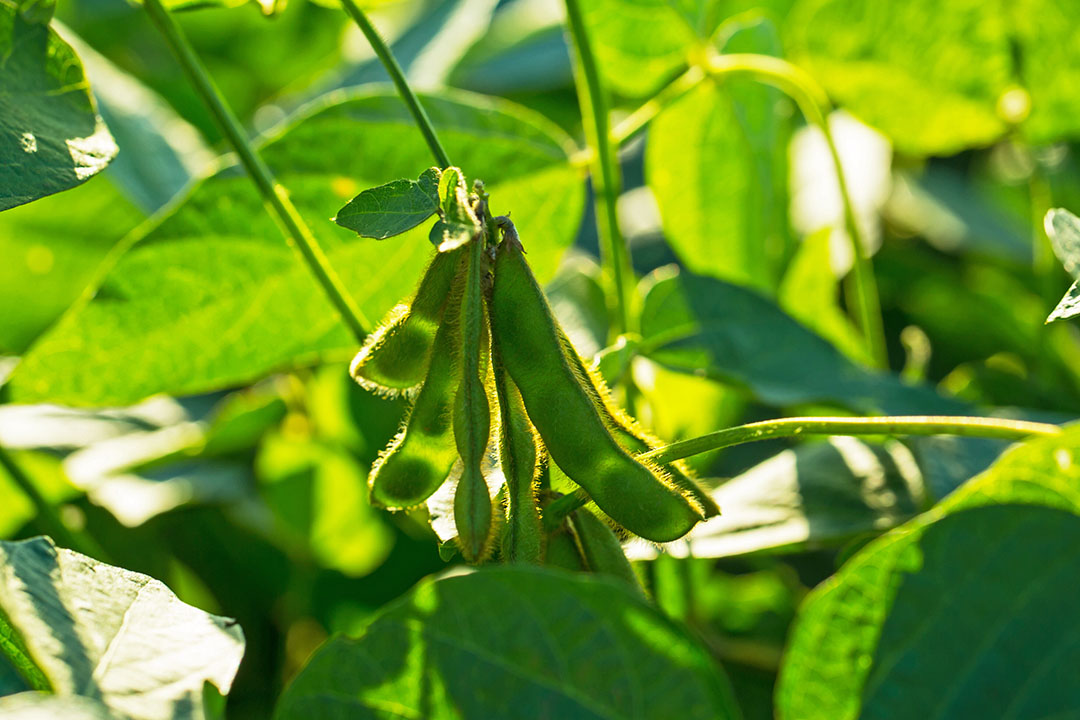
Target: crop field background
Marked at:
495, 359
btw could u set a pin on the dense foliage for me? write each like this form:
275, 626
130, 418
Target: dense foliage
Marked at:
652, 411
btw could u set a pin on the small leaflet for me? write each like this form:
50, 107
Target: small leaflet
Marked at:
457, 221
391, 209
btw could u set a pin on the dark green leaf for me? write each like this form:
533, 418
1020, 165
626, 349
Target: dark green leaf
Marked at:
957, 601
114, 635
51, 137
697, 324
213, 296
514, 642
37, 11
393, 208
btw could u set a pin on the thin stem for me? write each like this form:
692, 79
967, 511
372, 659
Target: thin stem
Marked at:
791, 427
275, 196
814, 104
47, 517
386, 57
671, 92
604, 167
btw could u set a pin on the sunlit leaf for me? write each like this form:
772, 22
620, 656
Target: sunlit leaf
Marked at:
393, 208
51, 137
514, 642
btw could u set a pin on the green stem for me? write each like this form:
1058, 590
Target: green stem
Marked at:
386, 57
604, 167
671, 92
791, 427
47, 517
814, 104
275, 196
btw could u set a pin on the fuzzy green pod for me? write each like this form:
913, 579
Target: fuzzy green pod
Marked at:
472, 415
634, 494
600, 547
562, 551
629, 433
419, 459
520, 455
395, 356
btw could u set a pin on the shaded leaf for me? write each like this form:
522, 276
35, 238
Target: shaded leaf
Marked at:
51, 137
218, 267
393, 208
514, 642
112, 634
985, 576
697, 324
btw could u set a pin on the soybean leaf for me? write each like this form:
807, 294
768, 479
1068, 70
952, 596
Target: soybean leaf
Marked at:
37, 11
218, 267
457, 222
815, 495
42, 706
393, 208
112, 634
929, 610
514, 642
716, 161
51, 137
697, 324
1069, 306
1064, 230
938, 78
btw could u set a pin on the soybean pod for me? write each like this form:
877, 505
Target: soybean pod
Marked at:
521, 458
472, 415
419, 459
562, 551
636, 495
601, 549
395, 357
629, 433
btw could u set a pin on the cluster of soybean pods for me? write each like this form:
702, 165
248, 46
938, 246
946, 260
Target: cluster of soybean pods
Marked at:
493, 378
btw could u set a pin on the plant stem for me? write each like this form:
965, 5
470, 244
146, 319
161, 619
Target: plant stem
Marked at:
386, 57
861, 289
275, 196
790, 427
47, 517
671, 92
604, 167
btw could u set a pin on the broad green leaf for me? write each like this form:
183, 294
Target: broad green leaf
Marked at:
815, 495
51, 137
941, 77
393, 208
1064, 230
37, 11
730, 333
931, 611
114, 635
43, 706
513, 642
213, 296
716, 161
810, 294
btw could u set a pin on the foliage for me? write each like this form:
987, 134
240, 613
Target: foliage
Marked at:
589, 259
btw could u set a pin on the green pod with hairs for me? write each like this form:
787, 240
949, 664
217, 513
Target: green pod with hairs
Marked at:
419, 459
472, 414
601, 548
395, 357
628, 432
636, 494
521, 457
561, 550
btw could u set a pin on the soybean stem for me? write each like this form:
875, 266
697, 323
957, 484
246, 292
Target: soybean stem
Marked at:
386, 57
648, 110
274, 195
861, 289
47, 517
986, 427
604, 167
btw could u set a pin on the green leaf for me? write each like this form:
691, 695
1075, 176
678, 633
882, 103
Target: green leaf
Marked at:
730, 333
213, 296
941, 77
815, 495
716, 160
393, 208
929, 611
41, 706
51, 137
1069, 305
112, 634
457, 223
37, 11
513, 642
1064, 230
